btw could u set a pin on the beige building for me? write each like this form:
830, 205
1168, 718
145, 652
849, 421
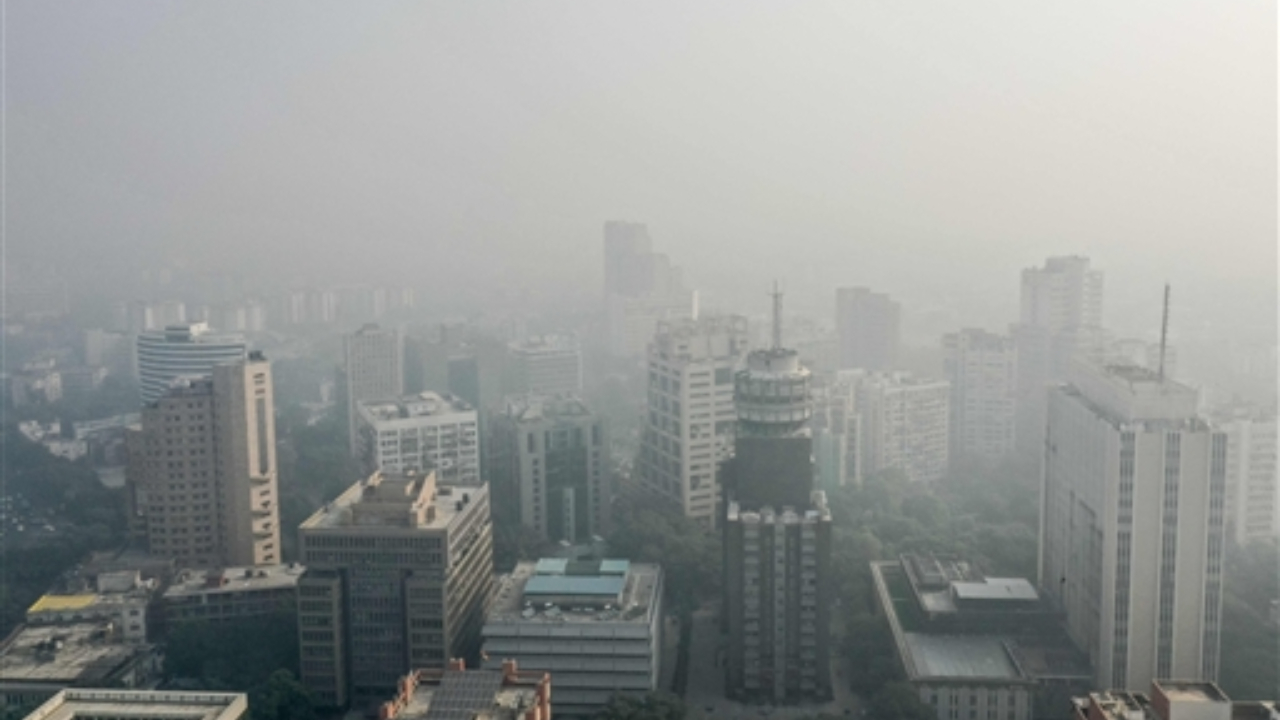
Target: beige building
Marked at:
399, 576
545, 365
374, 370
202, 469
1132, 525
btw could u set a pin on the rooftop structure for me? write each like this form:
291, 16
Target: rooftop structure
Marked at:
594, 625
38, 661
456, 693
1170, 700
93, 704
1128, 393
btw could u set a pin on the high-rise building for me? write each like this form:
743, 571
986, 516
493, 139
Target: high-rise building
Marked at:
777, 536
425, 431
202, 469
1060, 321
1132, 525
554, 464
869, 326
545, 365
837, 435
641, 289
373, 370
1252, 486
399, 576
904, 421
183, 350
982, 368
690, 421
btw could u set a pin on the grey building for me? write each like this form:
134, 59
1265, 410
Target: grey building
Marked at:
869, 326
595, 626
373, 369
545, 365
399, 576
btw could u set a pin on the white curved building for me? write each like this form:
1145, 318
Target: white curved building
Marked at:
182, 350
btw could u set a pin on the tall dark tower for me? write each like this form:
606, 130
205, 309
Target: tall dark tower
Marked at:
777, 536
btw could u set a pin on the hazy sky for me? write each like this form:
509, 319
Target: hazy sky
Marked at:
930, 149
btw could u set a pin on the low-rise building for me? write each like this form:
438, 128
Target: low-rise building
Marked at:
232, 593
1171, 700
455, 693
37, 661
595, 625
424, 431
96, 704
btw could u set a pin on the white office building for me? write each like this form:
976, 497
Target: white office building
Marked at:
182, 350
426, 431
905, 423
691, 415
545, 365
1132, 525
374, 370
982, 368
1253, 486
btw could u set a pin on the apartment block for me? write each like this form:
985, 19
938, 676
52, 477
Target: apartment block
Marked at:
905, 423
373, 369
982, 368
545, 365
1252, 486
425, 431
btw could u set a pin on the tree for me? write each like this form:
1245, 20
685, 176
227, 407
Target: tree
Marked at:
282, 697
651, 706
899, 701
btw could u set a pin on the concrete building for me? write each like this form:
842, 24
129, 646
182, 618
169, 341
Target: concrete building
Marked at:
399, 576
373, 369
642, 288
982, 368
201, 478
182, 350
778, 599
545, 365
595, 626
905, 423
39, 661
121, 598
977, 646
97, 704
837, 435
1133, 351
456, 693
552, 457
690, 422
230, 594
1132, 525
426, 431
869, 327
1171, 700
1252, 486
1060, 321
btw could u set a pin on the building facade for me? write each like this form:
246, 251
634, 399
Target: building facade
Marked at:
373, 369
201, 475
869, 327
1133, 525
94, 703
555, 464
642, 288
1253, 487
982, 368
182, 350
456, 693
690, 419
905, 423
399, 576
595, 626
545, 365
426, 431
230, 594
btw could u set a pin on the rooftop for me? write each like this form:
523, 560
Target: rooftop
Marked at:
1127, 393
1190, 691
460, 694
81, 653
960, 656
1015, 589
558, 590
532, 408
419, 405
234, 579
73, 703
545, 345
386, 499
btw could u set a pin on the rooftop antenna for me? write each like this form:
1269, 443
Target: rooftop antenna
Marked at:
1164, 331
777, 316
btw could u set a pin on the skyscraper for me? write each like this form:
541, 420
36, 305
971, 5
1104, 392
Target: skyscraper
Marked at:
689, 426
904, 421
373, 370
202, 469
555, 466
1253, 488
869, 327
1060, 321
641, 288
399, 576
982, 368
182, 350
777, 536
1132, 525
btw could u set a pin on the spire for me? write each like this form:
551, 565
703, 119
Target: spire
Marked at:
1164, 331
777, 316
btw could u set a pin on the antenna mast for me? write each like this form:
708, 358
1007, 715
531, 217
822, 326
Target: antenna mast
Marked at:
1164, 331
777, 317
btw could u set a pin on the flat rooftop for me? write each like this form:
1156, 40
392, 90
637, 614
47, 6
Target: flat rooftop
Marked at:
960, 656
532, 408
522, 595
394, 500
418, 405
469, 695
1191, 691
1011, 589
191, 583
545, 345
81, 653
72, 703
